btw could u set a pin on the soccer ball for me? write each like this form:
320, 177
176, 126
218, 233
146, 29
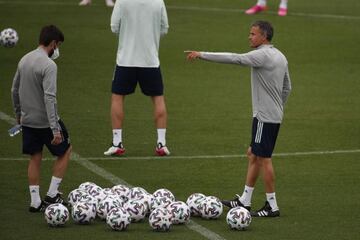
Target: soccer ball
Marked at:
106, 205
93, 190
122, 191
86, 185
160, 219
146, 199
136, 209
160, 202
75, 195
211, 208
118, 219
83, 212
136, 193
163, 192
238, 218
8, 37
56, 215
194, 201
180, 212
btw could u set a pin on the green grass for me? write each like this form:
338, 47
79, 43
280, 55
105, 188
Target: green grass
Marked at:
209, 109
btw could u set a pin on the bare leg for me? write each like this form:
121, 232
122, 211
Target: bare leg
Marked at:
34, 169
160, 113
60, 165
254, 168
268, 175
117, 111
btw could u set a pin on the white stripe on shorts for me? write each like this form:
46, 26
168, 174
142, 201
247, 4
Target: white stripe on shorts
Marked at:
259, 132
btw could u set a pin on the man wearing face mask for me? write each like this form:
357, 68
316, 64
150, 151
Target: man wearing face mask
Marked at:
34, 101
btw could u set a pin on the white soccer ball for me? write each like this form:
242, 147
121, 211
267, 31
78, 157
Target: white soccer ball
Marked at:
160, 202
122, 191
118, 219
56, 215
86, 185
180, 212
75, 195
89, 199
8, 37
160, 219
136, 193
146, 199
136, 209
238, 218
194, 201
83, 212
106, 205
211, 208
93, 190
163, 192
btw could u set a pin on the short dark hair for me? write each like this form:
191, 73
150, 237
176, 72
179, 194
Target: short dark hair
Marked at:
50, 33
266, 28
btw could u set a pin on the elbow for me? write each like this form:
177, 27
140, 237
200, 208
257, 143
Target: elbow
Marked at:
114, 28
164, 31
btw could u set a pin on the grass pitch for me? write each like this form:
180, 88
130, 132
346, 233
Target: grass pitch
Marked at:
209, 109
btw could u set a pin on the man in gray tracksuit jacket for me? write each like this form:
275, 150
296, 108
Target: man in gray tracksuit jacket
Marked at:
271, 86
34, 101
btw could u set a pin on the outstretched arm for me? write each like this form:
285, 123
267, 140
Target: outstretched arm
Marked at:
252, 59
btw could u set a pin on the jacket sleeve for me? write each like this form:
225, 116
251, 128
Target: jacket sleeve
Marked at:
15, 94
49, 86
115, 22
254, 58
286, 87
164, 21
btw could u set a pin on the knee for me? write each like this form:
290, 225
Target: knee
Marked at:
249, 153
68, 153
160, 113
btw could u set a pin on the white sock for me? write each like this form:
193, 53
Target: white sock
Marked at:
117, 136
54, 185
35, 196
271, 198
261, 3
246, 196
161, 132
283, 4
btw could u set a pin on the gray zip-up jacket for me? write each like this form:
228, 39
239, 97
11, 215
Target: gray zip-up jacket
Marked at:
34, 91
270, 80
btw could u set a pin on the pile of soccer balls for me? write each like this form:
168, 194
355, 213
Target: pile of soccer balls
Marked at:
8, 37
120, 206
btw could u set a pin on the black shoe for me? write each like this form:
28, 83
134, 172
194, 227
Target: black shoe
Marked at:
57, 199
235, 203
40, 208
266, 211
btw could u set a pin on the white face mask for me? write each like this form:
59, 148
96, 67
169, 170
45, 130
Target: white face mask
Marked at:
55, 54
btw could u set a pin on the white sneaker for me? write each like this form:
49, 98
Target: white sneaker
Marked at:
109, 3
85, 2
115, 150
162, 150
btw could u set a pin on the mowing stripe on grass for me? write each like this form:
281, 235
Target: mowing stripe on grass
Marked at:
116, 180
190, 8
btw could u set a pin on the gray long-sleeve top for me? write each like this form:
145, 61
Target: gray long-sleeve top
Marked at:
270, 80
34, 91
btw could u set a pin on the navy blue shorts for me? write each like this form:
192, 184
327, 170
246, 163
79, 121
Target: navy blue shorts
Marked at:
35, 138
263, 138
126, 79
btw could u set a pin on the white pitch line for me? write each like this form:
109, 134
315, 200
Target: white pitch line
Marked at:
190, 8
294, 154
298, 14
207, 233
